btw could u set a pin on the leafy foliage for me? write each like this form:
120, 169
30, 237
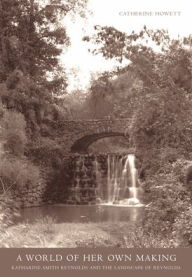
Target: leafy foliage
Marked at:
18, 173
9, 211
31, 41
159, 103
31, 35
183, 228
13, 132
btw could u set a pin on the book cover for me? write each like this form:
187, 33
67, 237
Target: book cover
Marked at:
95, 138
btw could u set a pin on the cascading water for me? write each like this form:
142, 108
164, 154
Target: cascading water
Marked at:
122, 181
134, 179
105, 179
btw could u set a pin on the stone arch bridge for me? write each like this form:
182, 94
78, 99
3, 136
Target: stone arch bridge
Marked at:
76, 135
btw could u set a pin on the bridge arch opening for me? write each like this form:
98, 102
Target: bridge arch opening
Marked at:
82, 145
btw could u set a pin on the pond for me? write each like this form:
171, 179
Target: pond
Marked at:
82, 213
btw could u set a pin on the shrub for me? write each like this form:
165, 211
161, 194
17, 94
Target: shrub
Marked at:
182, 228
13, 132
17, 173
167, 198
139, 238
9, 210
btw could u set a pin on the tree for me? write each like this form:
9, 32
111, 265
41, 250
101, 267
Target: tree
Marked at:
139, 50
161, 112
31, 41
31, 38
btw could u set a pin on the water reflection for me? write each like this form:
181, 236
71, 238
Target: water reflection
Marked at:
77, 213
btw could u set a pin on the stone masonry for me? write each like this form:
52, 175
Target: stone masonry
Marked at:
76, 136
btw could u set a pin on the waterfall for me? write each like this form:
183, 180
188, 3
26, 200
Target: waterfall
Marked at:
122, 180
108, 179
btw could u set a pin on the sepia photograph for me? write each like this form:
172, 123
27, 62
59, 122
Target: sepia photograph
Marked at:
96, 126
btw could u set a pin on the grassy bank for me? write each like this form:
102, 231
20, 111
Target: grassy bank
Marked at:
47, 233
